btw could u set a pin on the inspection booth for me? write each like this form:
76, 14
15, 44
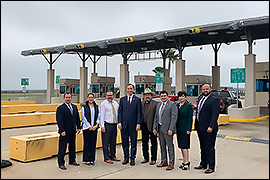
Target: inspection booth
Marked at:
100, 85
262, 83
71, 85
194, 85
144, 81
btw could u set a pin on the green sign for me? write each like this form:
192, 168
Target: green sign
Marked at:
57, 81
159, 77
238, 75
24, 81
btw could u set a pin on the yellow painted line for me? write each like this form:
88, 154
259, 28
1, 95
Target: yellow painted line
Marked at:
237, 138
249, 120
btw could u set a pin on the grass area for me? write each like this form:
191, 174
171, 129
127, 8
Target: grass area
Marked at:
13, 96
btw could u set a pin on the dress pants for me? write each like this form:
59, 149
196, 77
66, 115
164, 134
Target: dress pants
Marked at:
146, 134
109, 141
63, 141
166, 141
89, 145
126, 134
207, 145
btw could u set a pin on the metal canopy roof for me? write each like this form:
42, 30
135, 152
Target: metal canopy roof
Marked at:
224, 32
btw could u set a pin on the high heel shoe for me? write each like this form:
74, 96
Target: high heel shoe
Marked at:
181, 165
185, 166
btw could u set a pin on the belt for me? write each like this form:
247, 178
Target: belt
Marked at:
110, 123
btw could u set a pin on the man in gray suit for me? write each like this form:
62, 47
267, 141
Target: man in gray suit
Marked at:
165, 125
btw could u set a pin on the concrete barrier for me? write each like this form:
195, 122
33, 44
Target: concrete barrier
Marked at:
223, 119
16, 102
30, 108
32, 147
245, 114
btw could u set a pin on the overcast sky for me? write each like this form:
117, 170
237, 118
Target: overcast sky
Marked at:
38, 24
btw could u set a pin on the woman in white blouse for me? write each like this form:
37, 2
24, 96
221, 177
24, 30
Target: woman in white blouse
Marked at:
90, 117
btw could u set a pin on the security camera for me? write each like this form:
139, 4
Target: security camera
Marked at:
236, 25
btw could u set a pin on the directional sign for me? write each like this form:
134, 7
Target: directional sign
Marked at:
238, 75
159, 77
57, 80
24, 81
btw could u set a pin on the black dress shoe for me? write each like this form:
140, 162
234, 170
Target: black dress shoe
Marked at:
132, 162
144, 161
125, 161
63, 167
74, 164
199, 167
208, 171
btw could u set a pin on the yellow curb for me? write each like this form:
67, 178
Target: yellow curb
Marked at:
249, 120
237, 138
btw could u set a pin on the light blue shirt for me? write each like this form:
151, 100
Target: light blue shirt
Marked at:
85, 123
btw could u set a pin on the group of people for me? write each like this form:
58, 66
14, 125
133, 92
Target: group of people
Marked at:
155, 120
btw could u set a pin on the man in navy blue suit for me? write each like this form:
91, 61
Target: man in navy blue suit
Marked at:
69, 124
129, 120
206, 125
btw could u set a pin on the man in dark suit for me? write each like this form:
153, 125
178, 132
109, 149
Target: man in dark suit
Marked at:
68, 122
206, 125
129, 120
148, 115
165, 125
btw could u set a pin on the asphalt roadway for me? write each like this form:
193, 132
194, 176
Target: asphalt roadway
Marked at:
242, 152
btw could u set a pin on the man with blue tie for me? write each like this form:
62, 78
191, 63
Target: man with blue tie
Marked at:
68, 121
129, 120
207, 127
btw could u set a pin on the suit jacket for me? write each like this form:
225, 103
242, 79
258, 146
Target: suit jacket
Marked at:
150, 114
208, 115
129, 116
65, 121
168, 118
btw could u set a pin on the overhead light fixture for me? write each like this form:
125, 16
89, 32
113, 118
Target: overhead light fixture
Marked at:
229, 32
228, 43
243, 37
171, 40
144, 48
189, 43
43, 50
150, 41
212, 33
109, 52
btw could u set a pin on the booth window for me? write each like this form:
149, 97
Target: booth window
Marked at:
262, 85
95, 88
139, 88
62, 89
192, 90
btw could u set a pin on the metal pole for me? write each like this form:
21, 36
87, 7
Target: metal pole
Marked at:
106, 64
237, 87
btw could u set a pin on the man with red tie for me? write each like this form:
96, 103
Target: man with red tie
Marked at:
129, 120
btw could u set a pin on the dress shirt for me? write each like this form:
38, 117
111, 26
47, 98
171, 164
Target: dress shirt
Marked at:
130, 98
69, 107
86, 124
106, 112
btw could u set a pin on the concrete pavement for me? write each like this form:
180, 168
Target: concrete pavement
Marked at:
242, 152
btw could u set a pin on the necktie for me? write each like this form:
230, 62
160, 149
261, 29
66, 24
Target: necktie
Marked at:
129, 100
200, 106
114, 114
160, 112
70, 108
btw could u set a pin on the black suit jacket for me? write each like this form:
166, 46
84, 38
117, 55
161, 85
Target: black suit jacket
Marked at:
65, 121
129, 116
208, 115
